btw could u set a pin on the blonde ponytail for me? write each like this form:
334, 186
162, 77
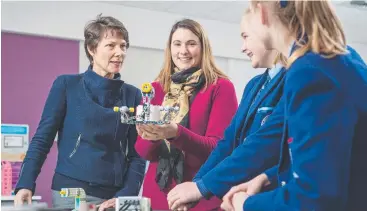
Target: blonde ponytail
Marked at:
315, 25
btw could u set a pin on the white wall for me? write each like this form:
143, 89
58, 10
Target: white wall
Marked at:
361, 48
143, 65
148, 30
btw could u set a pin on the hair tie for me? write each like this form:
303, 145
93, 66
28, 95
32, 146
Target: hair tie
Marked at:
283, 3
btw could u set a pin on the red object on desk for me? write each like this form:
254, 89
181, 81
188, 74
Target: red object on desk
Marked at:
7, 177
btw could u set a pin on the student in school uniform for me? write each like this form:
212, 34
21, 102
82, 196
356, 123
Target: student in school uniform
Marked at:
259, 99
321, 166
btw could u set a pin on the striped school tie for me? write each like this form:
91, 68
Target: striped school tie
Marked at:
268, 79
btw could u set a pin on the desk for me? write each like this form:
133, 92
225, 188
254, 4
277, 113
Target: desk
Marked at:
9, 200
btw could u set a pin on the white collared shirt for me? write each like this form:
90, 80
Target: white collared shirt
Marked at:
274, 71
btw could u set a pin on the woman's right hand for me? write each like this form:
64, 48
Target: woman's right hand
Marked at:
147, 132
21, 196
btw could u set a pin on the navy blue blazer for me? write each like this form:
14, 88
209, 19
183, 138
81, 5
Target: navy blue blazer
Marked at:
323, 151
95, 150
250, 116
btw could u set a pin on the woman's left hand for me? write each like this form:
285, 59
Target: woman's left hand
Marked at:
158, 132
107, 204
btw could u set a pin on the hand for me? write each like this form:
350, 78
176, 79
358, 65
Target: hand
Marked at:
23, 195
146, 132
186, 207
238, 200
251, 187
140, 129
183, 194
107, 204
182, 208
157, 132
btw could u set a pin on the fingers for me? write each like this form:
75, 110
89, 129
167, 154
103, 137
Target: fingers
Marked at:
18, 201
153, 128
172, 192
253, 190
148, 133
102, 207
242, 187
172, 200
176, 201
149, 128
226, 206
176, 204
227, 199
138, 130
182, 208
230, 193
150, 136
238, 200
107, 204
144, 128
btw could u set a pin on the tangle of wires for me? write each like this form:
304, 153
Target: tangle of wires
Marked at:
130, 205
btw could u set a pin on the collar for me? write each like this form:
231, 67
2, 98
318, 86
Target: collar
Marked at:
274, 71
97, 81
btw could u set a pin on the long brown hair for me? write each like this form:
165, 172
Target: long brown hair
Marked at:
315, 25
210, 69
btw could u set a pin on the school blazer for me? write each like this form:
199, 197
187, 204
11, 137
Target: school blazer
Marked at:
252, 114
322, 163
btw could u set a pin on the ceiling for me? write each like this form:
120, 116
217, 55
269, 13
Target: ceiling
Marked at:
226, 11
353, 17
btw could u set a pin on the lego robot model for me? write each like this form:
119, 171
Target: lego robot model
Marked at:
133, 203
80, 198
147, 113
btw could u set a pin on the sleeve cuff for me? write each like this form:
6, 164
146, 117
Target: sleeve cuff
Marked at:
262, 201
178, 135
272, 175
195, 179
128, 191
25, 181
28, 187
249, 203
203, 190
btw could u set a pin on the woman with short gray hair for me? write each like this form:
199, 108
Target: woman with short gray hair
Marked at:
95, 150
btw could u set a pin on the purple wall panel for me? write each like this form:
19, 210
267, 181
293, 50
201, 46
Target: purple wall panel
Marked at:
29, 66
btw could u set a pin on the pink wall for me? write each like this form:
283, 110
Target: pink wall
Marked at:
29, 64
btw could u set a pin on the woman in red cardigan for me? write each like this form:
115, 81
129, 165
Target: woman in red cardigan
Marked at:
207, 101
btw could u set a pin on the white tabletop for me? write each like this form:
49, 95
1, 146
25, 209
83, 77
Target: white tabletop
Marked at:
11, 198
